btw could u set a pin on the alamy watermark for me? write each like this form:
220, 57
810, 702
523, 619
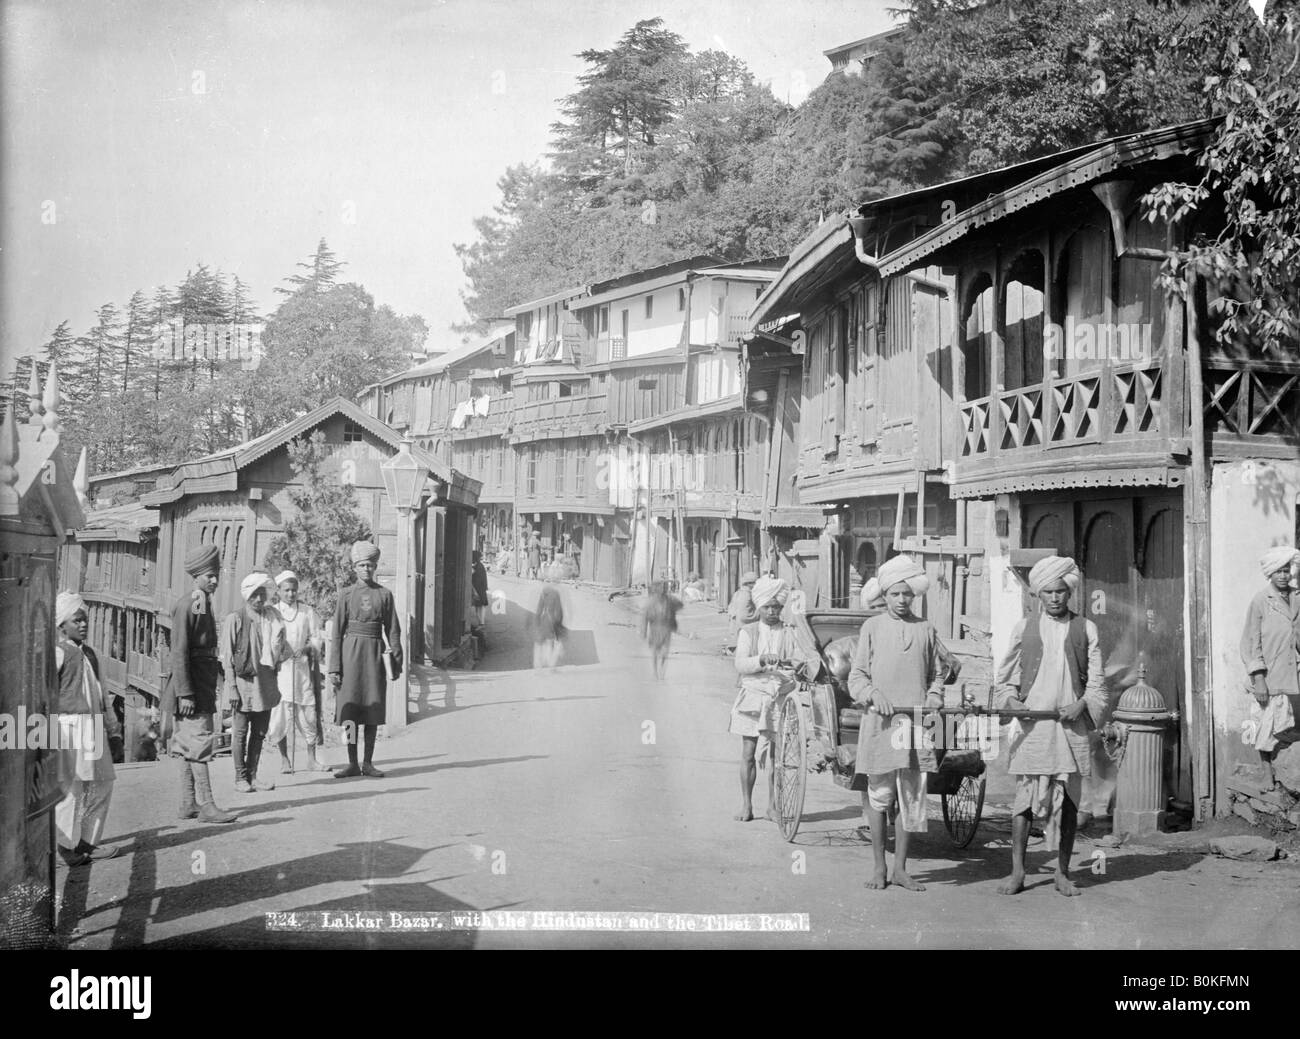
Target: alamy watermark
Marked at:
1097, 340
37, 731
233, 341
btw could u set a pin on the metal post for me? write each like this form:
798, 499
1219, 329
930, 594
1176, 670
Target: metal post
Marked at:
395, 705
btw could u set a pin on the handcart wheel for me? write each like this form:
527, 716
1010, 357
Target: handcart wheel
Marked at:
961, 811
791, 763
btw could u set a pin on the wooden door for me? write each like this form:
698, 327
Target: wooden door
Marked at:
1160, 570
801, 569
418, 566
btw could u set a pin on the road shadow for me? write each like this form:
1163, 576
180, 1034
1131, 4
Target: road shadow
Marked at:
476, 763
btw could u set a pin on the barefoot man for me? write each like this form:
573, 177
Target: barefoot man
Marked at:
897, 668
1053, 663
760, 647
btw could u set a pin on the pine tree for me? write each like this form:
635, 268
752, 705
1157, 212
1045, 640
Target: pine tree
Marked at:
322, 270
317, 538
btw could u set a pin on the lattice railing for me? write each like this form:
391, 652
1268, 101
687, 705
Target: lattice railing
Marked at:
975, 427
1253, 401
1078, 403
1139, 401
1022, 418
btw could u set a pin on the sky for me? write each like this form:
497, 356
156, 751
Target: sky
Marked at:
139, 138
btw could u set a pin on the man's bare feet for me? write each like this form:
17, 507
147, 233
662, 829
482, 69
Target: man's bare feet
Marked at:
1013, 885
904, 880
1066, 886
746, 816
879, 880
769, 815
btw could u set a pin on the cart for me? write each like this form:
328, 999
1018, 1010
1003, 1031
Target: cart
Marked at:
817, 731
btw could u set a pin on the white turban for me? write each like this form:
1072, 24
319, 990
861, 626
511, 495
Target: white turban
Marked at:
365, 552
769, 588
872, 596
252, 583
1052, 569
1276, 558
66, 607
903, 568
285, 575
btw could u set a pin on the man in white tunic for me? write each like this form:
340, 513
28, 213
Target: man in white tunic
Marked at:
85, 764
1053, 663
295, 715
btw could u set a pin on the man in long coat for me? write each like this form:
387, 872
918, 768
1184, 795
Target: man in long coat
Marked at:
365, 627
191, 692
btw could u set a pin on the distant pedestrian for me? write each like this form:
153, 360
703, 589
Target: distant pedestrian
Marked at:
85, 725
658, 623
548, 629
534, 557
253, 646
479, 584
1270, 649
297, 712
366, 626
741, 610
191, 691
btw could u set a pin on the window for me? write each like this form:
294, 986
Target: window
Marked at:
561, 464
500, 453
526, 325
604, 319
681, 300
530, 477
580, 474
1022, 322
351, 433
758, 291
649, 306
977, 332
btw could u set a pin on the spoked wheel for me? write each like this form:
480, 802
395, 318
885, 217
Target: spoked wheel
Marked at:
961, 811
791, 763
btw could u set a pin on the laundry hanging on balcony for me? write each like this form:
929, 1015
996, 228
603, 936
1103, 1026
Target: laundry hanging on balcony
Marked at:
481, 405
461, 415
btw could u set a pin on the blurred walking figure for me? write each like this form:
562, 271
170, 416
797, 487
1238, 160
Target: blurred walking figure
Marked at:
741, 609
253, 646
535, 557
296, 714
658, 622
548, 629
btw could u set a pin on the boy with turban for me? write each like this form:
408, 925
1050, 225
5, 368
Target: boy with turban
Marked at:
741, 609
191, 691
85, 764
296, 712
365, 626
897, 668
1270, 649
1052, 663
760, 648
253, 646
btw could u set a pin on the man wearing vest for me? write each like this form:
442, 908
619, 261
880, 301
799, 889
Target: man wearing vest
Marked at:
85, 764
253, 646
192, 688
1053, 663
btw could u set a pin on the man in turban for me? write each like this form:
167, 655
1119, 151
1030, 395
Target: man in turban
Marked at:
766, 650
1270, 649
253, 646
1052, 663
191, 690
296, 713
85, 764
365, 628
897, 670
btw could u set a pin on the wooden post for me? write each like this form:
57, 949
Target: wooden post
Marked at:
1200, 690
395, 701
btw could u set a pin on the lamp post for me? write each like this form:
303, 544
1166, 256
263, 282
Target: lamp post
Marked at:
404, 480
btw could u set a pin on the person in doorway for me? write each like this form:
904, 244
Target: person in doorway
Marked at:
768, 660
897, 669
741, 610
85, 724
548, 629
658, 622
295, 716
535, 557
190, 694
1052, 663
253, 646
1270, 649
365, 627
479, 584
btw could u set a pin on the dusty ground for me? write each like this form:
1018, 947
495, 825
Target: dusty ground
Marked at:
598, 788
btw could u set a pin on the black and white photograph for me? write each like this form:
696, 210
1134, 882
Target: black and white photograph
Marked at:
654, 475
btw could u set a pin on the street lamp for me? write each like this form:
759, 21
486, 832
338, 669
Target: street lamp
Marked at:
404, 480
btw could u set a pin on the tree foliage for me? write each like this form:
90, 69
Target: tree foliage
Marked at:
1245, 209
317, 538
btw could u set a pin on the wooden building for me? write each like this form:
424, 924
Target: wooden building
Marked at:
39, 505
1098, 418
238, 499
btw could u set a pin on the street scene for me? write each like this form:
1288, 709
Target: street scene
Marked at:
726, 478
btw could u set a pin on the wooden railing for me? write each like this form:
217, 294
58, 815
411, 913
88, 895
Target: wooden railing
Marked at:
560, 409
1256, 399
1125, 403
737, 325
